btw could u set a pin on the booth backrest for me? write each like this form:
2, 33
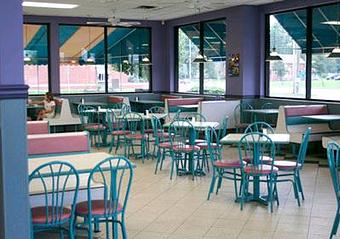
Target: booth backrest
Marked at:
115, 99
294, 113
42, 144
38, 127
164, 97
182, 101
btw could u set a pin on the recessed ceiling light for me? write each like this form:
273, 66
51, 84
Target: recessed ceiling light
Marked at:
331, 23
49, 5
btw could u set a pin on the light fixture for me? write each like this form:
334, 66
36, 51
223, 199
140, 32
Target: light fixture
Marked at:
274, 56
49, 5
146, 61
200, 58
27, 58
336, 51
90, 56
125, 62
331, 23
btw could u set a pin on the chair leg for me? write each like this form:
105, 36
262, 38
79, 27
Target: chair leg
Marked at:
89, 232
111, 144
296, 190
122, 224
212, 184
158, 159
219, 183
243, 188
235, 183
300, 185
163, 158
335, 223
96, 225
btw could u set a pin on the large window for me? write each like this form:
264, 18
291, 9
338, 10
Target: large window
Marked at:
304, 39
129, 59
35, 58
82, 68
201, 58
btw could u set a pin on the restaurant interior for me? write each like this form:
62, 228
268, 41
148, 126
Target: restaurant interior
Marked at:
169, 119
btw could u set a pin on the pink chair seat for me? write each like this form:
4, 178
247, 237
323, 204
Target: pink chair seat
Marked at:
39, 215
136, 136
120, 132
205, 145
264, 159
286, 165
93, 127
165, 145
148, 131
186, 148
227, 164
163, 134
97, 208
262, 169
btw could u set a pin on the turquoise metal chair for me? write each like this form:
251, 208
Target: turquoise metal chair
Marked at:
116, 126
195, 115
253, 147
162, 142
115, 173
289, 171
261, 127
223, 128
91, 122
134, 124
333, 155
156, 110
222, 169
269, 118
183, 150
241, 116
125, 109
54, 181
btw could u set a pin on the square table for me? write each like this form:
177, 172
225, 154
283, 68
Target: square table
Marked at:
276, 139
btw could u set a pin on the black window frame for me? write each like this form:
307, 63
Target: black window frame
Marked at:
309, 41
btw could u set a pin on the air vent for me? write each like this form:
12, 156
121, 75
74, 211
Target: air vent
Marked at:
147, 7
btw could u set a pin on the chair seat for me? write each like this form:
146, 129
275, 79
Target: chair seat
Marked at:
260, 170
97, 208
39, 215
163, 134
186, 148
227, 164
148, 131
120, 132
205, 145
198, 141
286, 165
166, 145
136, 136
94, 127
264, 159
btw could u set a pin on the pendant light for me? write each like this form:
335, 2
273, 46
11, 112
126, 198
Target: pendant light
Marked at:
90, 59
336, 51
27, 58
273, 55
200, 58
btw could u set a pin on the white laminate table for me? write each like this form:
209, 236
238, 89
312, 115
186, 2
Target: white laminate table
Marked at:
198, 125
276, 138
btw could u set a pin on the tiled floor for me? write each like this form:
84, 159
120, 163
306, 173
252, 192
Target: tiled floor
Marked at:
160, 208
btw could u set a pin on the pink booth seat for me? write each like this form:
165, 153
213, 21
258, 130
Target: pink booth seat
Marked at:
38, 127
115, 99
183, 101
40, 144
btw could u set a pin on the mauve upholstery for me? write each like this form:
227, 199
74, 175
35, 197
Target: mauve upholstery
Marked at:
260, 170
97, 208
58, 143
115, 99
184, 101
301, 110
227, 163
37, 127
39, 215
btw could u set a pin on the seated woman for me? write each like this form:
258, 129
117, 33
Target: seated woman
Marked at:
49, 107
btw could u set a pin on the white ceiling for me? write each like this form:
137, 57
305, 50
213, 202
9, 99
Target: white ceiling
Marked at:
166, 9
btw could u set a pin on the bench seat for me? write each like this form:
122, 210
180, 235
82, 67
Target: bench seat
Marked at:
38, 127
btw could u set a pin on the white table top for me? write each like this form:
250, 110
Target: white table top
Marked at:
83, 162
323, 117
276, 138
188, 106
263, 111
102, 110
149, 116
197, 124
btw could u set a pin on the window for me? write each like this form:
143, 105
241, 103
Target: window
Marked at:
82, 61
208, 74
325, 70
304, 40
129, 59
287, 77
36, 58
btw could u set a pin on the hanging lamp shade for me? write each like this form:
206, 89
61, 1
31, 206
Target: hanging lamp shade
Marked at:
200, 58
146, 61
335, 53
274, 56
27, 58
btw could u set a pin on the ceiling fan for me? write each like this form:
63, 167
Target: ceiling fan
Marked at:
114, 21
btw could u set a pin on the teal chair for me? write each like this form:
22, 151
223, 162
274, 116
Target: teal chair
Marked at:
261, 127
195, 115
115, 174
134, 124
162, 142
289, 171
53, 181
270, 119
116, 126
333, 155
91, 122
156, 110
242, 117
223, 128
222, 169
253, 147
125, 109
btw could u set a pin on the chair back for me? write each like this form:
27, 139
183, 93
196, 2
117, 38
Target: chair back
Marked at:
195, 115
177, 115
134, 122
261, 127
303, 147
267, 105
222, 129
114, 121
214, 146
87, 114
115, 174
125, 109
333, 155
255, 146
54, 180
157, 129
240, 115
182, 133
156, 110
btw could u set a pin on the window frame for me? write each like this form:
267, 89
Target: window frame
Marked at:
48, 25
201, 65
309, 42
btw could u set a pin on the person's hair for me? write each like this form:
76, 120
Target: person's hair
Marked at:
49, 96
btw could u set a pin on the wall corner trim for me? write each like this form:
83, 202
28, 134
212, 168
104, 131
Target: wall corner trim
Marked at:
18, 91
